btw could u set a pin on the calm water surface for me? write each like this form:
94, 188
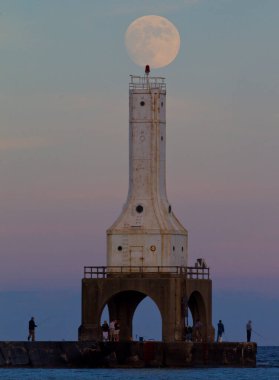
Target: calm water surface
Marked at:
267, 369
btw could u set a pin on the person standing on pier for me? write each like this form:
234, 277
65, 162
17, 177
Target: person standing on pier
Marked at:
188, 333
249, 330
198, 331
116, 330
111, 330
105, 331
220, 331
32, 325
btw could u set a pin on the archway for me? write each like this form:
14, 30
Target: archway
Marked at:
196, 305
121, 307
147, 321
133, 309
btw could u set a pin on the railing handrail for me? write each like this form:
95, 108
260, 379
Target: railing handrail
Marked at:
146, 82
196, 272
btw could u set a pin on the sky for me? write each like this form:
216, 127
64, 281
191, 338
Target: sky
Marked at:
64, 75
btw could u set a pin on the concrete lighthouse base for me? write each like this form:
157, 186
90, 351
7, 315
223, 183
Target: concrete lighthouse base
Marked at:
175, 291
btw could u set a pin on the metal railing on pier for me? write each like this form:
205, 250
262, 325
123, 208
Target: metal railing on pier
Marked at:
196, 272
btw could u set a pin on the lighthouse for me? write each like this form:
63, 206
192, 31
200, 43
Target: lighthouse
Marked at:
147, 250
147, 232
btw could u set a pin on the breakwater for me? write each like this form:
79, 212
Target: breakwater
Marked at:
126, 354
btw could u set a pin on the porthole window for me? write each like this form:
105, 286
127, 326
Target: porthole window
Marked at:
119, 248
139, 209
152, 248
142, 103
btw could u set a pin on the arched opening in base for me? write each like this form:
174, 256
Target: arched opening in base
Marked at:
196, 306
136, 313
147, 321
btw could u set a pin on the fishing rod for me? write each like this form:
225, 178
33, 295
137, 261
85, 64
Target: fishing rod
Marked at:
266, 338
258, 334
45, 320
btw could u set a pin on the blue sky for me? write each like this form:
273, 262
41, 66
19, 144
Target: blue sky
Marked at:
64, 75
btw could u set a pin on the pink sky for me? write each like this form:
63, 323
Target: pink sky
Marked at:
64, 76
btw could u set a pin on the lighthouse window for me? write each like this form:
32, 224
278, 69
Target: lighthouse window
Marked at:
162, 104
142, 103
173, 248
162, 138
182, 249
139, 209
169, 209
119, 248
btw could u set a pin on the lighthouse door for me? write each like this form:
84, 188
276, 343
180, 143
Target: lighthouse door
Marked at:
136, 257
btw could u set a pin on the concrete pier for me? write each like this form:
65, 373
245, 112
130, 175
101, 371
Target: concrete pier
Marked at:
126, 354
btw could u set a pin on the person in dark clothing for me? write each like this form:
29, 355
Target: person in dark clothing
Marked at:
220, 331
105, 330
116, 330
197, 333
188, 333
249, 330
32, 325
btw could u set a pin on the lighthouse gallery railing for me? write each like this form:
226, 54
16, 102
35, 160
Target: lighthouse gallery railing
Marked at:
196, 272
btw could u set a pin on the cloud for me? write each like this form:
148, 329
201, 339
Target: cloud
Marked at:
9, 144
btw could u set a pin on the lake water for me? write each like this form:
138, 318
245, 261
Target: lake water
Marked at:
267, 369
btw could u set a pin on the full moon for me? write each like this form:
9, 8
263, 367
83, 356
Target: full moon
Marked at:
152, 40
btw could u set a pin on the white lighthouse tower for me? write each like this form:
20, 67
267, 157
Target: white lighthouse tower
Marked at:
147, 233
